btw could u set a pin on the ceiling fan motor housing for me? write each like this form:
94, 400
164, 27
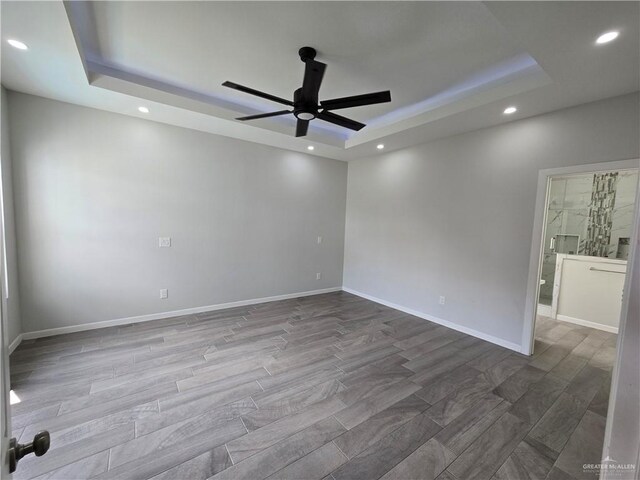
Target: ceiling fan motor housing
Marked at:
307, 53
305, 100
304, 110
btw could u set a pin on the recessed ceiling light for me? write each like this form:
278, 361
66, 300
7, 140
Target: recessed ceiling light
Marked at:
380, 146
607, 37
310, 147
143, 109
17, 44
510, 110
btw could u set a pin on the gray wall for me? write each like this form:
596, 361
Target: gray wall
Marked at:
94, 191
454, 217
11, 303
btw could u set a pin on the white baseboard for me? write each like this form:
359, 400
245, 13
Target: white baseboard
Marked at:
587, 323
208, 308
176, 313
16, 341
469, 331
544, 310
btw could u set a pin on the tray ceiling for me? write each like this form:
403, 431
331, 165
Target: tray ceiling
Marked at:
451, 66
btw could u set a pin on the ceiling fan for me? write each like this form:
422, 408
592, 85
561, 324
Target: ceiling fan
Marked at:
305, 99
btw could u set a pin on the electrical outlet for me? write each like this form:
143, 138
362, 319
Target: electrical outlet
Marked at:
164, 293
164, 242
319, 239
442, 299
318, 276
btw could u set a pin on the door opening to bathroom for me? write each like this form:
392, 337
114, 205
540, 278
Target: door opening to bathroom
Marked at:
587, 229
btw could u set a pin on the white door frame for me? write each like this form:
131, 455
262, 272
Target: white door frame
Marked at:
621, 415
5, 417
5, 410
535, 260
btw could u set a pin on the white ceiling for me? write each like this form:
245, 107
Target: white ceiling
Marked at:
451, 66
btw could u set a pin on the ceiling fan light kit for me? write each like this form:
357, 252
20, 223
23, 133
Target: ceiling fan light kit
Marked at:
305, 99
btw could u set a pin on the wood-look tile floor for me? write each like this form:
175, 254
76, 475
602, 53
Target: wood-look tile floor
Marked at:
326, 387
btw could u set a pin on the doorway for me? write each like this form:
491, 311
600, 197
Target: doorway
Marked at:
579, 228
582, 242
589, 218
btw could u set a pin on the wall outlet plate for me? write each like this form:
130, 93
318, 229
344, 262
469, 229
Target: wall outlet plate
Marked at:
441, 300
164, 293
164, 242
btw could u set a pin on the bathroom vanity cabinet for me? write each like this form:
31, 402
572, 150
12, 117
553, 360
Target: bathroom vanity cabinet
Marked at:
588, 291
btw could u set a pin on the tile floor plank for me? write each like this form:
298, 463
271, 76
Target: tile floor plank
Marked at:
584, 447
457, 402
389, 451
525, 463
533, 404
360, 411
557, 424
376, 427
264, 437
284, 452
200, 467
464, 430
487, 453
313, 466
426, 463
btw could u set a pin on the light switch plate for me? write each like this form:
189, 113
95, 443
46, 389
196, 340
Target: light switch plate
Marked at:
164, 242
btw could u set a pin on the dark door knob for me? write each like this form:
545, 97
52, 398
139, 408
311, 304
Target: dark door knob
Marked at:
39, 447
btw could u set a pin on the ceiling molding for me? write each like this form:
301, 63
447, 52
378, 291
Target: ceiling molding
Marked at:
504, 79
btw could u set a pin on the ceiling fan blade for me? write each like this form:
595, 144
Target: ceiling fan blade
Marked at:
357, 100
313, 74
257, 93
342, 121
302, 127
264, 115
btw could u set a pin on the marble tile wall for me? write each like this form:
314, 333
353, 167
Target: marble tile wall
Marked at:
603, 200
622, 217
